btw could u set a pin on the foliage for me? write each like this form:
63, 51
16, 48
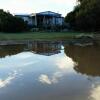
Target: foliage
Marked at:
85, 16
10, 23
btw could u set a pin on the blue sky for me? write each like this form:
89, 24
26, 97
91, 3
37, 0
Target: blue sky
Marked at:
32, 6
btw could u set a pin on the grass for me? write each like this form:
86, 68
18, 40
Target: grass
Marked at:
38, 36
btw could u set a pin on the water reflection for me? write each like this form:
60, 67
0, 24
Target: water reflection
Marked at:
50, 71
44, 48
88, 59
64, 65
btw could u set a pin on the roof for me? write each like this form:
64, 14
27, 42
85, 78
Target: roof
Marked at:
49, 13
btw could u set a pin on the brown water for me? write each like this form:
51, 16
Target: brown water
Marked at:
49, 71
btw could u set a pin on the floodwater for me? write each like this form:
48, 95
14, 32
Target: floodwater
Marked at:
49, 71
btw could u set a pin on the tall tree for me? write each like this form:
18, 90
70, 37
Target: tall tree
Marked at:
86, 15
10, 23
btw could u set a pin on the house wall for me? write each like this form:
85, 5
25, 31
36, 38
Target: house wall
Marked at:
59, 21
53, 21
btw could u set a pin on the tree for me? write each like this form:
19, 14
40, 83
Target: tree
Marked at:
86, 16
10, 23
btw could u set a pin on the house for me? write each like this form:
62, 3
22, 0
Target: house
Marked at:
43, 19
47, 18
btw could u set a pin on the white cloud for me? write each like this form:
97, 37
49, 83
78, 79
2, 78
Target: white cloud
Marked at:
30, 6
70, 2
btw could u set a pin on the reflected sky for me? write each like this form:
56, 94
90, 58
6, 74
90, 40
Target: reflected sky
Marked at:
64, 65
30, 75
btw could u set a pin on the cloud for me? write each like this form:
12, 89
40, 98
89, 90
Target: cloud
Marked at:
31, 6
70, 2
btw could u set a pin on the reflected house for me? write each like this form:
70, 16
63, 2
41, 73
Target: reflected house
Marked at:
88, 59
46, 48
42, 48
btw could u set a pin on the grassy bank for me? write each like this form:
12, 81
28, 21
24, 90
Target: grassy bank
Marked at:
39, 36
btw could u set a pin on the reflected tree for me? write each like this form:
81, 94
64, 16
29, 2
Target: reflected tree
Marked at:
88, 59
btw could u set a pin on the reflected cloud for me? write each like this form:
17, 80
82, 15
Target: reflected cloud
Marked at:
23, 55
95, 94
19, 60
57, 76
65, 63
45, 79
54, 79
5, 82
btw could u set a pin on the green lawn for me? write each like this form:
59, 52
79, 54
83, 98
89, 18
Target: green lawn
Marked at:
38, 36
